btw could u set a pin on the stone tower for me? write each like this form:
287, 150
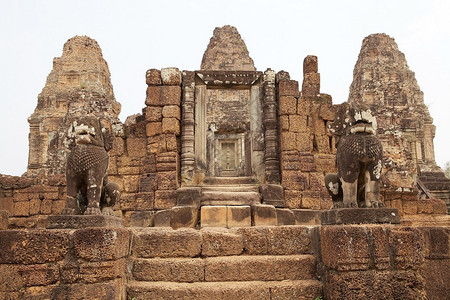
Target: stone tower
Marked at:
227, 52
79, 84
383, 80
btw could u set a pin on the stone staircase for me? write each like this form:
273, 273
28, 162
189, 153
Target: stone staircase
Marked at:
219, 263
230, 191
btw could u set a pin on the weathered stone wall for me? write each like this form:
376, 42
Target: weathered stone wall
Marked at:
353, 261
307, 148
63, 264
145, 161
384, 261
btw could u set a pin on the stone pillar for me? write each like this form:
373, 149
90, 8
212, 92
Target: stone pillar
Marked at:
311, 77
187, 128
271, 156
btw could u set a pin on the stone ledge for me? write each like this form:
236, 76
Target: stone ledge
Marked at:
360, 216
82, 221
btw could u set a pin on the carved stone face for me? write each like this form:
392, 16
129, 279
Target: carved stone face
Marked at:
353, 118
86, 130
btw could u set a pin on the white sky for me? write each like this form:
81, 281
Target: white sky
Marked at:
138, 35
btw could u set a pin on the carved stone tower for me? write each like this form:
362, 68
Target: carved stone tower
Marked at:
383, 80
78, 85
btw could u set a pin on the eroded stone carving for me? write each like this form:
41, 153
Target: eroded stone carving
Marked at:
88, 189
358, 158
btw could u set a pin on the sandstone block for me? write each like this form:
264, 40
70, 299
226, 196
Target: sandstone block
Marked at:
437, 241
189, 196
34, 246
407, 245
284, 123
148, 183
58, 206
361, 285
294, 180
22, 209
40, 274
46, 207
162, 218
166, 242
169, 269
137, 147
184, 216
259, 268
311, 200
311, 85
163, 95
171, 126
285, 217
239, 216
272, 194
345, 248
171, 76
153, 77
288, 88
141, 219
153, 113
156, 144
4, 214
288, 105
306, 216
98, 271
213, 216
201, 290
409, 207
435, 275
221, 242
144, 201
327, 112
131, 183
298, 123
167, 161
167, 180
7, 204
171, 111
165, 199
360, 216
303, 142
117, 147
264, 215
171, 142
153, 129
304, 107
100, 244
293, 198
35, 205
288, 141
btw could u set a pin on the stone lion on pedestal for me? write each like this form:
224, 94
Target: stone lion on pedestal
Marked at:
359, 158
88, 189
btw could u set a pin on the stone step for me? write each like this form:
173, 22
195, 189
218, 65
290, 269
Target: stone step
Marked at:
226, 268
229, 180
231, 188
230, 198
261, 290
164, 242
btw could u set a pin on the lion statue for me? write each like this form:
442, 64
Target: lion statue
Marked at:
88, 189
359, 156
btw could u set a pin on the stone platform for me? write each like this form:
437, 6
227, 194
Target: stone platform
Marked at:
82, 221
360, 216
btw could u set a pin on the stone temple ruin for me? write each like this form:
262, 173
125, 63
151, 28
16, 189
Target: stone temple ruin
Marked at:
222, 186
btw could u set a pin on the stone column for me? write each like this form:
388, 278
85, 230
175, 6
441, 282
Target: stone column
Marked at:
271, 157
187, 127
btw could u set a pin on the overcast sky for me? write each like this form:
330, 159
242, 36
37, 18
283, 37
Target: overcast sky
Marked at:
138, 35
